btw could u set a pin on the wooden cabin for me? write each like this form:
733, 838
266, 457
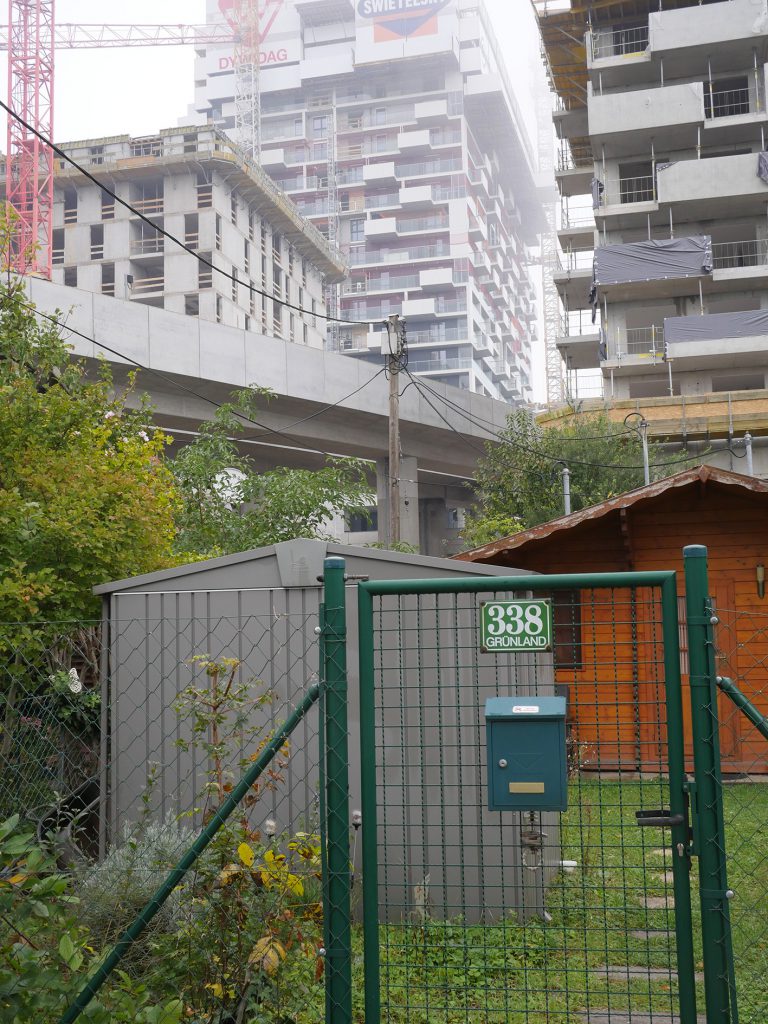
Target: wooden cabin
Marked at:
608, 649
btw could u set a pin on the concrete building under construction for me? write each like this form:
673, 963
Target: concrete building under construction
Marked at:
394, 128
197, 185
662, 120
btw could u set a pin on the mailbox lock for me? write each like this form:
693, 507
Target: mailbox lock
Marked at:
503, 762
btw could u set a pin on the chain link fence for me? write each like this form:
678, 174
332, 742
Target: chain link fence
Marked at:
121, 741
741, 655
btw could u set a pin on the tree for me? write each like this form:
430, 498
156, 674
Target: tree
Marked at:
519, 482
229, 506
85, 496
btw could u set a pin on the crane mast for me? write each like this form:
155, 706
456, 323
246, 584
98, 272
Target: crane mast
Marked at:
29, 162
31, 38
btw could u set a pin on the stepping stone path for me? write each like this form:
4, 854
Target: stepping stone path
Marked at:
630, 1017
660, 902
622, 973
650, 935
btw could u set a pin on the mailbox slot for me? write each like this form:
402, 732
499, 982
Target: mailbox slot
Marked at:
527, 761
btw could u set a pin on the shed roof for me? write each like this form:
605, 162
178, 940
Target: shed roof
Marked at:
299, 563
701, 475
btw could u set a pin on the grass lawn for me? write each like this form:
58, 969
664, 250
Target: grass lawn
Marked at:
610, 944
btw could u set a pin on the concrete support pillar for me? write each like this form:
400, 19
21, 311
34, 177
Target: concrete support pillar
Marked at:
409, 500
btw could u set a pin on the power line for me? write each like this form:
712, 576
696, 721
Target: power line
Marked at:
536, 452
167, 234
191, 391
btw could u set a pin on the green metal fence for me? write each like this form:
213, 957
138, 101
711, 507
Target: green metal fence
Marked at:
473, 915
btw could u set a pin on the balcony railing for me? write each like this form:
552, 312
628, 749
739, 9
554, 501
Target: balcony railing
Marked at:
422, 224
440, 365
378, 284
619, 42
147, 246
357, 257
642, 341
639, 189
753, 252
148, 285
577, 259
726, 102
152, 204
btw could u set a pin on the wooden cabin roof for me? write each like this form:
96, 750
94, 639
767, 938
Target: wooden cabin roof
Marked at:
701, 476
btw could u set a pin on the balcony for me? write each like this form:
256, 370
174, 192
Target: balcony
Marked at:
418, 195
439, 277
664, 112
413, 140
610, 43
717, 186
142, 286
730, 340
418, 307
384, 227
431, 110
686, 36
380, 173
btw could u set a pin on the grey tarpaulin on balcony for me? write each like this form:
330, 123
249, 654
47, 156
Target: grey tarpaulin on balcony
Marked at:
653, 260
762, 166
714, 326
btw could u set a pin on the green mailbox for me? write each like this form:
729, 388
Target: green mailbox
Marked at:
527, 763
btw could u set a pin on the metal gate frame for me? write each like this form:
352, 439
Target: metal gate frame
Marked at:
701, 797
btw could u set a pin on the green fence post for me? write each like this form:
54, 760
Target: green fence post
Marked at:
372, 982
715, 918
681, 862
339, 948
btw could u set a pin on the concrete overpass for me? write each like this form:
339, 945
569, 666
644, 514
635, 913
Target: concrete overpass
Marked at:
213, 360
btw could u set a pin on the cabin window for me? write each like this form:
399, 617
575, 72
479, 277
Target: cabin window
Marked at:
566, 614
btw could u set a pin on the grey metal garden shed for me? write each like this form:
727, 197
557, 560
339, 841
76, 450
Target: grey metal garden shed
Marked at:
261, 608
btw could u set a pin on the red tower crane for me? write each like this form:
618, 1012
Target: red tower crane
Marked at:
31, 38
29, 162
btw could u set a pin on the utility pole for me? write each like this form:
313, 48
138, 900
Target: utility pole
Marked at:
396, 360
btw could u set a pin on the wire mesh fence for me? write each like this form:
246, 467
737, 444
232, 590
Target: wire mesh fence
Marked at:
741, 653
119, 743
524, 917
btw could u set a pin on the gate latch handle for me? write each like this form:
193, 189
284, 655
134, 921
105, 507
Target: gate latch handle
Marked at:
658, 819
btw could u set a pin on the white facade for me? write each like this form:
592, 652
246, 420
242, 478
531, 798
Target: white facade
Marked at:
672, 133
393, 127
195, 184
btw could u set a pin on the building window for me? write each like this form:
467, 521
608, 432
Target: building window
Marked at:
219, 309
264, 271
70, 277
192, 304
70, 206
566, 613
298, 126
97, 241
58, 246
204, 190
108, 278
205, 273
320, 126
277, 280
306, 334
247, 322
234, 285
364, 521
292, 323
277, 319
97, 154
217, 241
357, 229
263, 237
191, 230
107, 207
277, 248
304, 272
246, 256
252, 298
233, 208
252, 226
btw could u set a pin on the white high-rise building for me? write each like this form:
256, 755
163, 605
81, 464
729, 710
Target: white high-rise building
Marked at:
393, 127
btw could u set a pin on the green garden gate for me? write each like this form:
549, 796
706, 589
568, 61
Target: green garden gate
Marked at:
612, 912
